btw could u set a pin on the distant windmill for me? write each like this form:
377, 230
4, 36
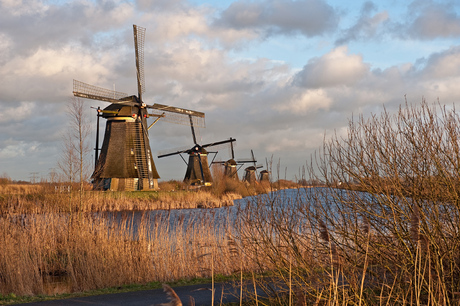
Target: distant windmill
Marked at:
232, 166
264, 176
125, 161
198, 172
250, 175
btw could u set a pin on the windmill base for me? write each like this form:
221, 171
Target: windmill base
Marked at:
124, 184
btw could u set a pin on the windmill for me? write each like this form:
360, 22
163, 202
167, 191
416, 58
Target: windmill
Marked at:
232, 166
250, 175
198, 172
264, 176
125, 161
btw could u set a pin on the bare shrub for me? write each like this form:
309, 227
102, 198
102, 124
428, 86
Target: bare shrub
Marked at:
384, 229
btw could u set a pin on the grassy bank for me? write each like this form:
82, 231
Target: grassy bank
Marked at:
53, 244
62, 197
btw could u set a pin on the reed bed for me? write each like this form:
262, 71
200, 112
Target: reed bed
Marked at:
42, 200
56, 253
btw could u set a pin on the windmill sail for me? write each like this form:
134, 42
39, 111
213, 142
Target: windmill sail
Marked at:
139, 38
87, 91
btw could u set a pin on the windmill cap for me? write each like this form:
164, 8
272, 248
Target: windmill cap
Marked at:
231, 162
197, 149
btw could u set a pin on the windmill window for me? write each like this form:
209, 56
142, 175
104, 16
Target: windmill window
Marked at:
135, 166
132, 151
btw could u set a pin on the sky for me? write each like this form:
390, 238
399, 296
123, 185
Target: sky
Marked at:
280, 76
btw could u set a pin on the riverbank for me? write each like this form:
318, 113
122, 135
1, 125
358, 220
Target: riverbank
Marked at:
54, 242
49, 198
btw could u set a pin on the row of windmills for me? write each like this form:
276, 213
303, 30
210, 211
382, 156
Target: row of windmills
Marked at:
125, 161
232, 166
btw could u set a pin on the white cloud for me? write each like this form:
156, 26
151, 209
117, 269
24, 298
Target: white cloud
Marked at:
23, 7
307, 101
333, 69
13, 149
16, 113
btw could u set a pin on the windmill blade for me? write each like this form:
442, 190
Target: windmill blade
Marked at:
174, 152
179, 115
247, 160
232, 152
218, 143
139, 38
178, 110
87, 91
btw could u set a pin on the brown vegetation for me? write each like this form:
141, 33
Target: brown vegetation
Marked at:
40, 253
391, 237
388, 235
51, 244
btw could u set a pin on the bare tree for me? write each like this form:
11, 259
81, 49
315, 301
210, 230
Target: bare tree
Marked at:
74, 161
67, 162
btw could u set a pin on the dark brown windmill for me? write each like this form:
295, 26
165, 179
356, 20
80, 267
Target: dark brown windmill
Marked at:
125, 161
232, 166
264, 176
250, 174
198, 172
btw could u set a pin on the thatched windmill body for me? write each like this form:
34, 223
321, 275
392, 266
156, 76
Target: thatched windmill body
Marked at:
264, 176
125, 161
250, 173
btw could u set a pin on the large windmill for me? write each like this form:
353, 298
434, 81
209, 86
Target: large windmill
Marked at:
198, 172
125, 161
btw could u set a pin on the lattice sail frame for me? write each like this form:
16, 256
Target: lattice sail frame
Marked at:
139, 34
80, 88
183, 119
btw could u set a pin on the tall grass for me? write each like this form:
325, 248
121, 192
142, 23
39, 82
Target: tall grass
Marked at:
39, 199
92, 251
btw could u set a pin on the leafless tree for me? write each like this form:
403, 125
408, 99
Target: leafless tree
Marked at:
74, 162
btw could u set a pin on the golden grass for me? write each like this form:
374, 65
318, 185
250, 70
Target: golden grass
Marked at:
56, 242
81, 252
38, 199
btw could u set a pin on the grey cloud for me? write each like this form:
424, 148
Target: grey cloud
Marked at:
149, 5
366, 27
306, 17
429, 20
439, 68
55, 26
